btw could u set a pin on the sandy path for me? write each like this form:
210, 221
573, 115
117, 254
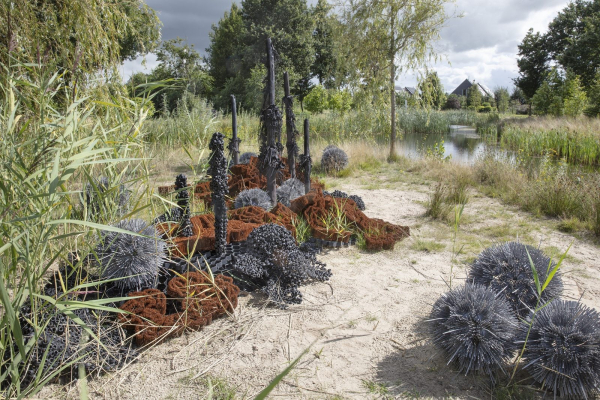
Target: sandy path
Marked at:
365, 325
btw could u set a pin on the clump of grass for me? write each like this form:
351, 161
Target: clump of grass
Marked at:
437, 207
302, 229
428, 246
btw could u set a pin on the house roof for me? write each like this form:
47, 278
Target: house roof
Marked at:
409, 90
461, 89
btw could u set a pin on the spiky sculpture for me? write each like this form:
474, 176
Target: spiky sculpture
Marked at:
183, 201
334, 160
97, 198
219, 188
245, 157
475, 328
563, 349
359, 202
506, 269
253, 197
290, 125
136, 260
290, 190
342, 195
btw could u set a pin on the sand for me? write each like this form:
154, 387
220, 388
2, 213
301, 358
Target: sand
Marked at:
363, 332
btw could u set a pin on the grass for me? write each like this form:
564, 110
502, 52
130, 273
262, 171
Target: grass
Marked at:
375, 387
427, 246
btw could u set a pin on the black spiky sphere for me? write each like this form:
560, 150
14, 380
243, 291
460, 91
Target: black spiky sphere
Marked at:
253, 197
475, 328
506, 269
137, 260
563, 349
290, 190
334, 159
359, 202
245, 157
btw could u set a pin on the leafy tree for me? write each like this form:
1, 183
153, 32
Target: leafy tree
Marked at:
77, 35
289, 24
533, 63
431, 91
453, 102
317, 100
339, 100
573, 39
549, 97
326, 65
474, 96
180, 62
502, 99
593, 109
224, 53
574, 96
385, 37
518, 95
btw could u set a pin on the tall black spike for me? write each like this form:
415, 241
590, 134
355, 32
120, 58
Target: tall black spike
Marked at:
219, 188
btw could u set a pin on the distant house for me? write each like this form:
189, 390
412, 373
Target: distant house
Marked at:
461, 90
410, 90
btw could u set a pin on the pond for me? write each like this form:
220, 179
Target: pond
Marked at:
463, 144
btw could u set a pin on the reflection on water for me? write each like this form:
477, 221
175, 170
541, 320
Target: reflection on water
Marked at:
462, 143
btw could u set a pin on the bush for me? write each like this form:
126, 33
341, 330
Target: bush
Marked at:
453, 103
317, 100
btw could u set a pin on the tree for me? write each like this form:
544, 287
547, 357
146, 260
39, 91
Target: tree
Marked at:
549, 97
453, 102
176, 61
574, 96
317, 100
474, 96
502, 99
381, 36
533, 63
289, 24
224, 53
325, 66
75, 34
593, 109
573, 39
431, 91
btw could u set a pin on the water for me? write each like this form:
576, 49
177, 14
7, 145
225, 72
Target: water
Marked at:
463, 144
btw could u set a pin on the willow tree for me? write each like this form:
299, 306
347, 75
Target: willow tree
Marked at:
88, 35
386, 37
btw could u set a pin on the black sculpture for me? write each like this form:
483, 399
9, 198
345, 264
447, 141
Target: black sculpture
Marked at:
270, 135
305, 160
234, 144
290, 126
475, 328
183, 201
563, 348
219, 188
506, 269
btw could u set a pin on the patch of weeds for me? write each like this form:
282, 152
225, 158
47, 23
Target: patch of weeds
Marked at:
502, 231
428, 246
570, 225
436, 206
375, 388
458, 193
302, 229
218, 388
352, 324
371, 318
513, 392
345, 173
370, 165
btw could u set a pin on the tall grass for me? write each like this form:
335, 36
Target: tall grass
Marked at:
50, 150
575, 140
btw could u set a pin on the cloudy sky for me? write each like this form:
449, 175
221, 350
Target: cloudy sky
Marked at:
482, 45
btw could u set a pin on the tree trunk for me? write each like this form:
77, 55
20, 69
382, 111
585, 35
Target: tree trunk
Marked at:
393, 85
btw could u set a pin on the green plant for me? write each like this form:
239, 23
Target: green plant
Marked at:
436, 207
336, 222
375, 387
303, 231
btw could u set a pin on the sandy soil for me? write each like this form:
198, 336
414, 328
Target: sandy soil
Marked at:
364, 330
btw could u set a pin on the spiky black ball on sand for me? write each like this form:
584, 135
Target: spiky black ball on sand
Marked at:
475, 328
334, 159
290, 190
253, 197
563, 349
506, 269
138, 260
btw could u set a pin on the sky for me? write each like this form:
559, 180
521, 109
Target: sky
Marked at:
481, 46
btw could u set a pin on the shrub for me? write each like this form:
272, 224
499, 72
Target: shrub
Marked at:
317, 100
453, 102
